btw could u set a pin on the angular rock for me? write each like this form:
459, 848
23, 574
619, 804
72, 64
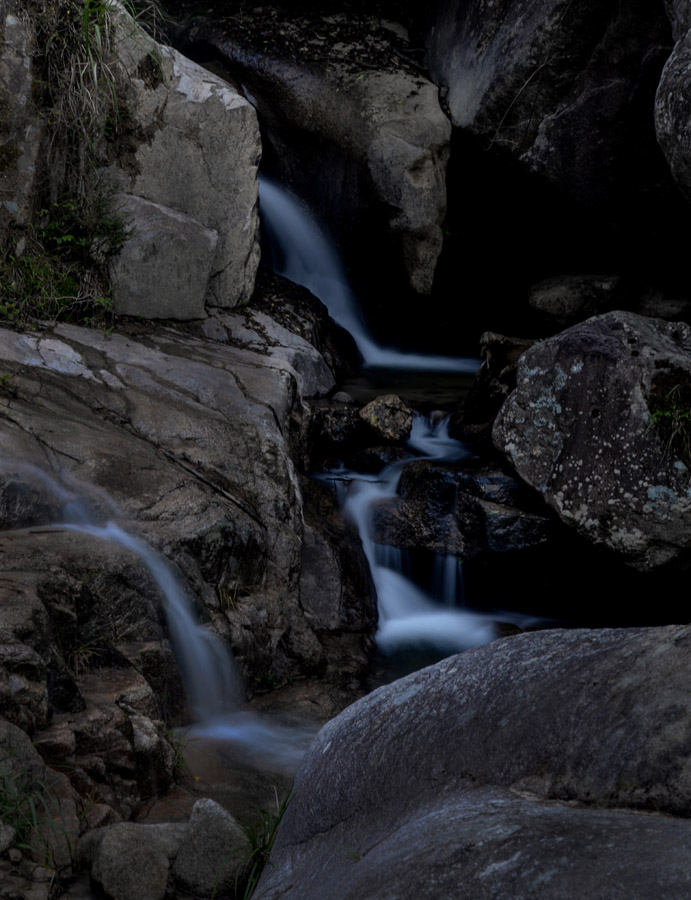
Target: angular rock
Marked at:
449, 777
163, 270
389, 417
189, 143
213, 852
598, 425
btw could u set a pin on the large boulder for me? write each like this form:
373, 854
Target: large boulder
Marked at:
189, 144
353, 128
191, 438
599, 424
529, 767
566, 88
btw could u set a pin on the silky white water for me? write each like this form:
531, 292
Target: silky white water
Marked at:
214, 687
407, 615
301, 251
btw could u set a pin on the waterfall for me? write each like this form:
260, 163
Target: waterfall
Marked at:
407, 614
300, 250
214, 686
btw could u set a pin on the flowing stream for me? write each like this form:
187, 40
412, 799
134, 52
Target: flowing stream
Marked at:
301, 251
408, 616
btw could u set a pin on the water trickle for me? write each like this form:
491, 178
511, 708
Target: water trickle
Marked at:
300, 250
407, 614
214, 686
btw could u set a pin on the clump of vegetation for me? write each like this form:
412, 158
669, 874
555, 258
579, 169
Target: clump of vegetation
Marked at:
57, 267
670, 412
261, 837
27, 805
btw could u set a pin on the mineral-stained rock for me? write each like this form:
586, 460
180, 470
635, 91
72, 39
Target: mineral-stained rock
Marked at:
598, 425
451, 777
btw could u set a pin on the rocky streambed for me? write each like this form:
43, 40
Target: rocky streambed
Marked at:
198, 449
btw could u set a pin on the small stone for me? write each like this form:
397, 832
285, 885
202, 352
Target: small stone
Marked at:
213, 851
15, 856
389, 416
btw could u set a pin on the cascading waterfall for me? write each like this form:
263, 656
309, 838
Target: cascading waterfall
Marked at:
301, 251
408, 615
213, 684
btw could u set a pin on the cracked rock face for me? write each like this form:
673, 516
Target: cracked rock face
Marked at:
529, 767
186, 442
598, 425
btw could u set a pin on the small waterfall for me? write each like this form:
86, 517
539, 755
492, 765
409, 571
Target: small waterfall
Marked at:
215, 688
408, 615
301, 251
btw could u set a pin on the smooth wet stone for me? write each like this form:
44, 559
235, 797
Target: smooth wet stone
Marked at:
546, 765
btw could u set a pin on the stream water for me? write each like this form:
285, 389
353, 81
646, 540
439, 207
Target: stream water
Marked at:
214, 687
409, 615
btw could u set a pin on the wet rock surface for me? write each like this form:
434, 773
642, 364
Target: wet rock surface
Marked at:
186, 441
594, 425
465, 785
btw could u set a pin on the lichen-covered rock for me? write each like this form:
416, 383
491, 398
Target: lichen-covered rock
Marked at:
598, 424
189, 143
451, 777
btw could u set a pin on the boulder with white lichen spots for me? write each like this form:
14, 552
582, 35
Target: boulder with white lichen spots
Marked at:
599, 424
